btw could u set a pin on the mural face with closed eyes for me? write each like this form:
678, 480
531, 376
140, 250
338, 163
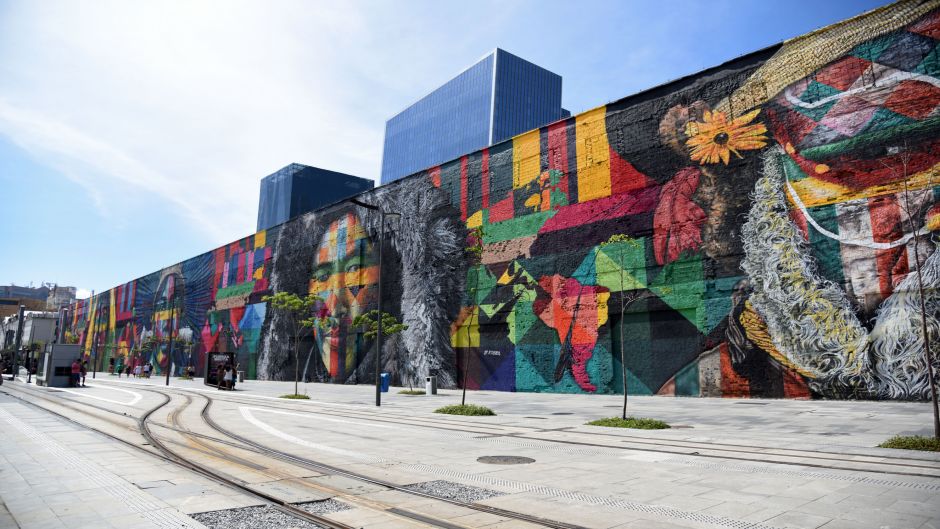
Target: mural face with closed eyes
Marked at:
345, 276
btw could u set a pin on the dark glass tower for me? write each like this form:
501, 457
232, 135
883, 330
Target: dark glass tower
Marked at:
297, 189
498, 97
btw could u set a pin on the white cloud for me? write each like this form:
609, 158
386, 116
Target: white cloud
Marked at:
190, 103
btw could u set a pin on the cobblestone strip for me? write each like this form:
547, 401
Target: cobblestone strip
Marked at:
127, 494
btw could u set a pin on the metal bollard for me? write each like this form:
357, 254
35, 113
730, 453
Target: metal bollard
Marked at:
430, 385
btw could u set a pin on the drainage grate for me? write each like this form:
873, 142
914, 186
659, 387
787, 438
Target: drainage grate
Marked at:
562, 413
505, 460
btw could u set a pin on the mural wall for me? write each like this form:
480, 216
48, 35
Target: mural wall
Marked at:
761, 228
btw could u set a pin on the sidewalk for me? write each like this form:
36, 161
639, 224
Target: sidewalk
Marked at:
56, 475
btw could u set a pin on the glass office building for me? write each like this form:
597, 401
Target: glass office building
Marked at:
297, 189
498, 97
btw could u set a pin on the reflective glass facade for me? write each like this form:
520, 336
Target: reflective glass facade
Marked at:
527, 97
498, 97
297, 189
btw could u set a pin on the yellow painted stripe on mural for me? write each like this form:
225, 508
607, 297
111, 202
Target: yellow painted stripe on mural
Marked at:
814, 192
593, 155
91, 323
112, 317
525, 158
260, 239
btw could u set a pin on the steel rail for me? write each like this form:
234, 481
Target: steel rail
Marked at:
185, 462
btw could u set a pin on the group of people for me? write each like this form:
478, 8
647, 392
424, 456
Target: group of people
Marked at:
140, 370
225, 375
79, 372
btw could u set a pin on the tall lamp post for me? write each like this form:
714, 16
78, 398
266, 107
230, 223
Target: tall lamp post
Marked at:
169, 358
378, 351
18, 341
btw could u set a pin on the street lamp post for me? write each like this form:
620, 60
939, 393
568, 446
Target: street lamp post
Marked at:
18, 341
169, 358
378, 351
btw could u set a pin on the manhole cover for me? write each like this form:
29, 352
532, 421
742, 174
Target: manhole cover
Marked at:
505, 460
562, 413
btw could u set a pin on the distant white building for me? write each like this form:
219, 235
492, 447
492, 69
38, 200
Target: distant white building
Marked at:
38, 327
60, 297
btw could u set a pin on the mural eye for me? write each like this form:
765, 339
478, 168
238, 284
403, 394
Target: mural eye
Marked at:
322, 275
353, 268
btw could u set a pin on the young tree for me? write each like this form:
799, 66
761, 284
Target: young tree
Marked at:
299, 314
474, 251
621, 242
911, 212
369, 321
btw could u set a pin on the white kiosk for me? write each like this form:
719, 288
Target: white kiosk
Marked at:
56, 366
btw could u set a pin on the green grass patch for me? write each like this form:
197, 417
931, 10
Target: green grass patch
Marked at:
184, 377
630, 422
411, 392
912, 442
295, 396
465, 409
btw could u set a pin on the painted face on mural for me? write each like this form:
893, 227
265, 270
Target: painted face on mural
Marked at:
855, 132
345, 274
853, 137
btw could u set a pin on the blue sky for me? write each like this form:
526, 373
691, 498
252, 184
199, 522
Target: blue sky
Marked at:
133, 134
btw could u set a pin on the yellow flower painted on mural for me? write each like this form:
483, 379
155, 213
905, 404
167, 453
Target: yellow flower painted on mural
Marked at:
714, 138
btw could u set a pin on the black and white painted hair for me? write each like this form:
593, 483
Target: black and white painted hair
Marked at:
811, 319
423, 275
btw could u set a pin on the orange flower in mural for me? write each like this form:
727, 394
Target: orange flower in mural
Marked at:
714, 138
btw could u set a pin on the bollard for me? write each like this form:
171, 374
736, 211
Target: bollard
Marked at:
430, 385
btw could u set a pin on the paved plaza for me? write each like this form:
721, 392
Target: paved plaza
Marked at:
725, 463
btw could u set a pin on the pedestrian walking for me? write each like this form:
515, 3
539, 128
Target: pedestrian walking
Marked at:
137, 371
227, 377
127, 370
84, 371
76, 374
219, 375
235, 375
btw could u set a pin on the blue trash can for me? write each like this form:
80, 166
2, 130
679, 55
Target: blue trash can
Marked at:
386, 380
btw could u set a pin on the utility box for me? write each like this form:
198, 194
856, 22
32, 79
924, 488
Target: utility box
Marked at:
214, 360
430, 385
55, 368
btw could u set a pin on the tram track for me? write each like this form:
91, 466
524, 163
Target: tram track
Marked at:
220, 435
146, 423
818, 459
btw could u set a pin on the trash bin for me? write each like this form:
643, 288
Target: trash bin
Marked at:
386, 380
241, 377
430, 385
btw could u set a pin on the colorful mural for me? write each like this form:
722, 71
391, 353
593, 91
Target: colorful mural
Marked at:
758, 229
